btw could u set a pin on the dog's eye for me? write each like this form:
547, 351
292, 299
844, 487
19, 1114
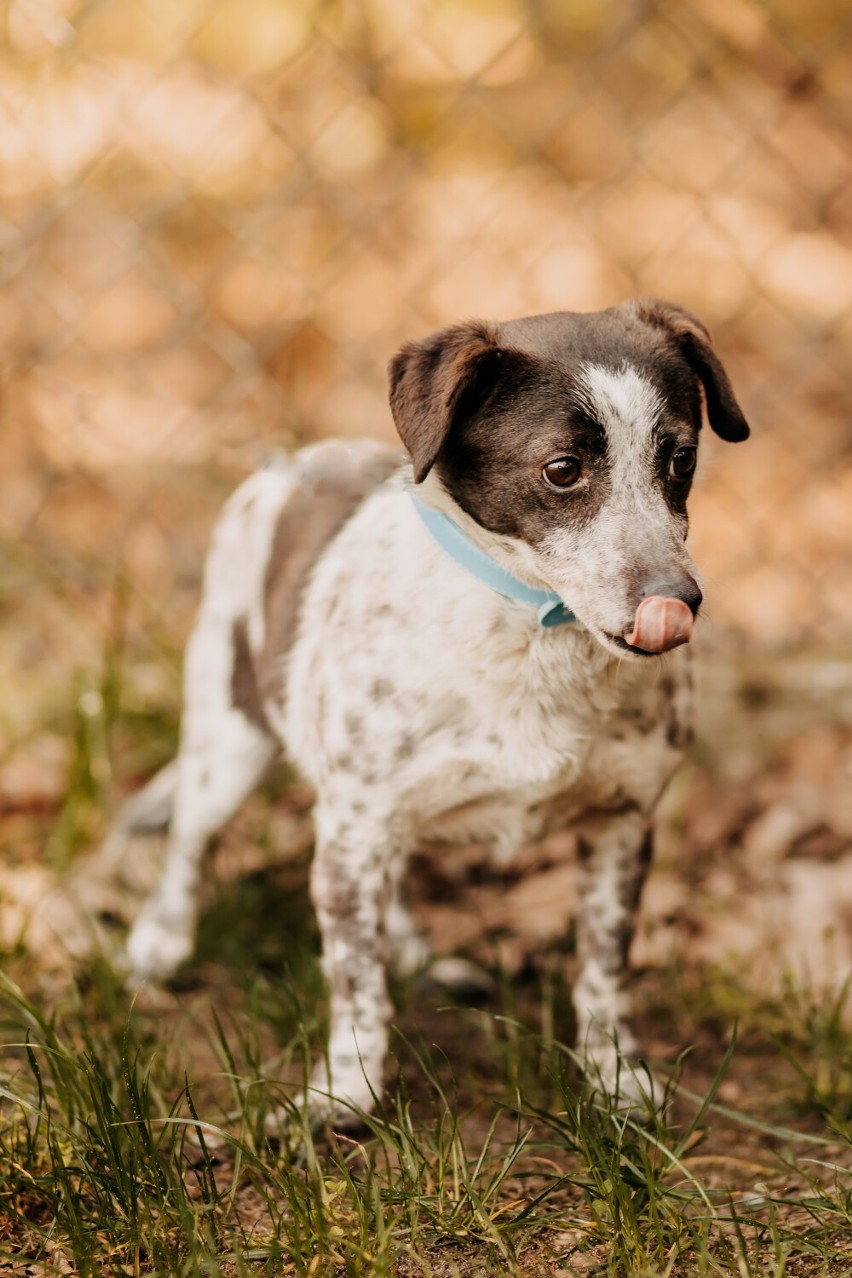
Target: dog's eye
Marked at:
682, 463
561, 473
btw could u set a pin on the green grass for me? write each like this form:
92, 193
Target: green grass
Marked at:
133, 1141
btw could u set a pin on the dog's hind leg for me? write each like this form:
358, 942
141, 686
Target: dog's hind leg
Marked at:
222, 757
148, 812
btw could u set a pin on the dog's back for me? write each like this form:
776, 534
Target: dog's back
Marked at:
295, 506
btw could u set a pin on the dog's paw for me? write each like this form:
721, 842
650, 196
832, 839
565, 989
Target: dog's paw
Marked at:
317, 1107
627, 1083
156, 947
344, 1097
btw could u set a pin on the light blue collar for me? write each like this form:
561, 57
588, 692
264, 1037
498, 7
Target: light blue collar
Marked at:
550, 609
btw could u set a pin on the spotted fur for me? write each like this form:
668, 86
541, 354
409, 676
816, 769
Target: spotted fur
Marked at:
419, 703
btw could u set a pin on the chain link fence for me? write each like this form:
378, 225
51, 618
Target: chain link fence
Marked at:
220, 217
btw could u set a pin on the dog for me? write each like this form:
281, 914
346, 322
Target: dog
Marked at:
486, 643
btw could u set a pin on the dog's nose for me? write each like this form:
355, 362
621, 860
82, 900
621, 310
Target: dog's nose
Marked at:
685, 589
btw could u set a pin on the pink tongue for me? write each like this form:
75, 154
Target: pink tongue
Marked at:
660, 624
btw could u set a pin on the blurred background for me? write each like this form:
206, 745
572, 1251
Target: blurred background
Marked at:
218, 220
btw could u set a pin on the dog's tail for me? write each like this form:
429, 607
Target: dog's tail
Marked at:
148, 812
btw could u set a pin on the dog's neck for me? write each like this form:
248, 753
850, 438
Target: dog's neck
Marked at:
549, 608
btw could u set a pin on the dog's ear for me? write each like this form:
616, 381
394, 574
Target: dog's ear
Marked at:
437, 383
693, 341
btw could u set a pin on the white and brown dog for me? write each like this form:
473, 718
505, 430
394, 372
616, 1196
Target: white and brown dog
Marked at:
402, 633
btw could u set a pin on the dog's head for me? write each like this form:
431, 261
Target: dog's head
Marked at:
572, 439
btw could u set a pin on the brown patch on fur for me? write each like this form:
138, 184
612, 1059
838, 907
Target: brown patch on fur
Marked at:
332, 487
245, 695
354, 725
381, 689
679, 735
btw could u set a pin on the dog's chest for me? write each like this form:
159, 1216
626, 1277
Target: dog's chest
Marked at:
515, 772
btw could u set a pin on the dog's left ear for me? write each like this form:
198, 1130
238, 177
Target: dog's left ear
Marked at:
437, 383
693, 341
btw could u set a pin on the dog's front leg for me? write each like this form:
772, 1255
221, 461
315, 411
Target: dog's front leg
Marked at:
350, 886
614, 859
